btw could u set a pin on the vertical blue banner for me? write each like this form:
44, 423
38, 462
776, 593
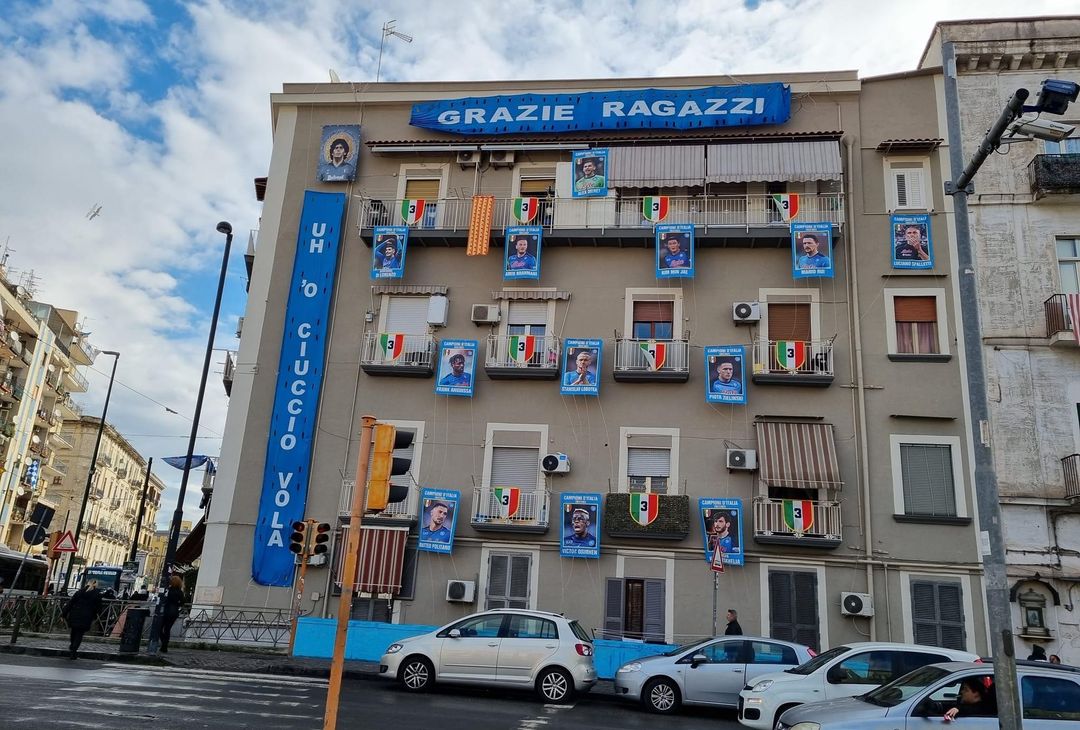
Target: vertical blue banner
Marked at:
811, 251
675, 251
438, 520
725, 374
296, 395
388, 251
590, 173
721, 524
457, 368
580, 525
911, 245
522, 252
581, 367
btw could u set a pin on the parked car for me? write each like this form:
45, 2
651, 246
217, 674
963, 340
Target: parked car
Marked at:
1049, 699
708, 672
844, 671
499, 648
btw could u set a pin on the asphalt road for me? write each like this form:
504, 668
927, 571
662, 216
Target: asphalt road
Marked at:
58, 693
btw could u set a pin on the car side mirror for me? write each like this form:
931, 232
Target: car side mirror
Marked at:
836, 675
454, 633
698, 659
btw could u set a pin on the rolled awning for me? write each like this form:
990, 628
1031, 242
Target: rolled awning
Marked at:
382, 558
801, 455
656, 166
190, 549
773, 161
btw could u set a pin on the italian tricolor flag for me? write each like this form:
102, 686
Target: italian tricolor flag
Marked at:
509, 498
644, 508
525, 209
392, 345
799, 515
412, 210
791, 354
522, 347
655, 353
654, 208
787, 204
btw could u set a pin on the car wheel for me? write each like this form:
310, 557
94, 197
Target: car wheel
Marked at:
555, 685
781, 711
417, 674
661, 695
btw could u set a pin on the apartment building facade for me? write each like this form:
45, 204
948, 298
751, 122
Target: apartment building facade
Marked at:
845, 471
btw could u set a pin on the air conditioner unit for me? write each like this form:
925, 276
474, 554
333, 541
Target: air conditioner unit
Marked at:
460, 591
557, 463
741, 460
856, 604
467, 158
746, 312
502, 158
485, 313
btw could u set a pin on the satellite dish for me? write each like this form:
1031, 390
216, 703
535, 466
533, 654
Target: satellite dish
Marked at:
334, 78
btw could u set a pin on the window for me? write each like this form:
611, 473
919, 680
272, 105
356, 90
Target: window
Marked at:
648, 469
515, 466
793, 607
649, 460
424, 181
869, 667
634, 608
405, 314
937, 614
481, 627
916, 325
508, 580
1050, 698
1068, 253
371, 609
1067, 146
789, 321
725, 652
653, 320
927, 471
530, 318
906, 183
532, 627
764, 652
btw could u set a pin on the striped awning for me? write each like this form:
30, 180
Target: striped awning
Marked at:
656, 166
801, 455
382, 558
774, 161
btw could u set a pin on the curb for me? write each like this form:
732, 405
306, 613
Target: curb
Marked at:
49, 651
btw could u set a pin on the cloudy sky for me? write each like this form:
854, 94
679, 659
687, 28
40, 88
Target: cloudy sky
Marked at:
158, 111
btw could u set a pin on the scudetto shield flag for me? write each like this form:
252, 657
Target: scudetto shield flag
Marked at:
655, 207
791, 354
644, 508
787, 204
798, 515
522, 348
525, 209
509, 499
392, 344
412, 211
655, 353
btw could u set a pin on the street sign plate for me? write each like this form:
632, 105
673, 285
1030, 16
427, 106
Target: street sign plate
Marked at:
66, 544
35, 535
717, 560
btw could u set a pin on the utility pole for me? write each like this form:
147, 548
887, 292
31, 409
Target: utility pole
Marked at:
142, 510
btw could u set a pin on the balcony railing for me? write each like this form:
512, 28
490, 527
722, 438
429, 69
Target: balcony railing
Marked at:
531, 514
1071, 466
632, 363
804, 363
78, 380
721, 211
1056, 309
825, 530
543, 362
404, 510
1054, 173
417, 357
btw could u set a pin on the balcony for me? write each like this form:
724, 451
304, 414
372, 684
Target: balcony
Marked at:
59, 466
76, 381
396, 514
1054, 175
490, 514
631, 364
417, 358
811, 365
69, 406
721, 220
770, 527
1059, 327
541, 364
1071, 466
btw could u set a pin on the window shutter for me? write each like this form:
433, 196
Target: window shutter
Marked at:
937, 614
527, 313
806, 610
408, 315
654, 311
515, 467
915, 309
518, 591
408, 574
928, 479
793, 607
781, 611
648, 462
900, 179
613, 609
951, 615
654, 609
789, 322
497, 578
908, 182
426, 189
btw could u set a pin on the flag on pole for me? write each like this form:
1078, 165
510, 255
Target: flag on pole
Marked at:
525, 209
644, 508
655, 207
412, 211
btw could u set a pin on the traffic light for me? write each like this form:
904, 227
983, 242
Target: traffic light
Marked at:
322, 537
298, 538
385, 465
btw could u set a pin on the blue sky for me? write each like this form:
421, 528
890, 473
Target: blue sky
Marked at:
159, 112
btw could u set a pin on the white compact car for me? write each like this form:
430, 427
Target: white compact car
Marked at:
501, 648
844, 671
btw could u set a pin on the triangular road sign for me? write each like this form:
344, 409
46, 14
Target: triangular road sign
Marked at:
66, 543
717, 560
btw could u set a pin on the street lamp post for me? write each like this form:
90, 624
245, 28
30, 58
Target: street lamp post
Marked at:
178, 514
92, 469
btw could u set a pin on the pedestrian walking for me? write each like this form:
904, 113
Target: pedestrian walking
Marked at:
80, 613
174, 598
733, 627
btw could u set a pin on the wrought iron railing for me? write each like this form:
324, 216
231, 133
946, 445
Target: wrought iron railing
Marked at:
769, 519
1056, 309
545, 353
810, 358
629, 355
78, 380
1071, 467
531, 508
418, 350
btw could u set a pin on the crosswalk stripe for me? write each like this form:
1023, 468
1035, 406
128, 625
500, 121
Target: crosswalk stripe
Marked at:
213, 674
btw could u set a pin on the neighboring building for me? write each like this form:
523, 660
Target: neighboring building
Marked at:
855, 408
115, 494
156, 557
1025, 229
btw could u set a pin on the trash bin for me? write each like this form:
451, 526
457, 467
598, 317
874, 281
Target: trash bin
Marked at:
130, 637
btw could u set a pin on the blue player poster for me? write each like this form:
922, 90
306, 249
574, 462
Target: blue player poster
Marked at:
388, 252
522, 252
721, 522
911, 245
725, 374
811, 251
675, 251
457, 368
580, 525
438, 519
590, 173
581, 367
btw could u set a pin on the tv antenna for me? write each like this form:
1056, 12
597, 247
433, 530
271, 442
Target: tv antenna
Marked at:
388, 30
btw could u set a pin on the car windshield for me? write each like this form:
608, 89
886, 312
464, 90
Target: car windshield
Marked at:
580, 632
686, 647
898, 690
817, 662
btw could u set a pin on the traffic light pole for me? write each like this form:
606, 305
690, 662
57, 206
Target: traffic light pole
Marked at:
348, 574
299, 597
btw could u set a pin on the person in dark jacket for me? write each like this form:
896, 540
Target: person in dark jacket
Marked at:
174, 598
733, 628
978, 698
80, 613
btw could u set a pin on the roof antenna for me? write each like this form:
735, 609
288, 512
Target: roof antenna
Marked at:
387, 31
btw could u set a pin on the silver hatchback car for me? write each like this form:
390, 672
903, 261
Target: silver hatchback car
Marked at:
503, 647
709, 672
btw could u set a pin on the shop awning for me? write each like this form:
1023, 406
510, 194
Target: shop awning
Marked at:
656, 166
774, 161
801, 455
382, 558
190, 549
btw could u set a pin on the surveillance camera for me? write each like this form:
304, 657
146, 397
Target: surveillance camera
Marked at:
1056, 94
1044, 129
